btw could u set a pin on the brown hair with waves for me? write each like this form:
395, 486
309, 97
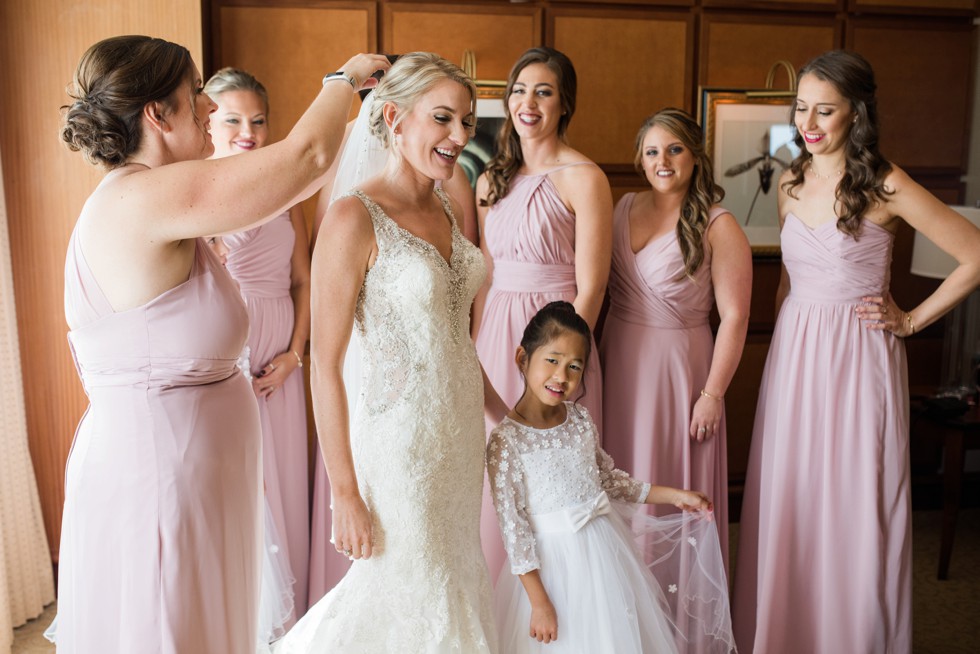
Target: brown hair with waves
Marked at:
702, 193
502, 168
862, 184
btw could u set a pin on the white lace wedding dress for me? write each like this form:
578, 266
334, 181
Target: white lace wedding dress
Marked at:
418, 444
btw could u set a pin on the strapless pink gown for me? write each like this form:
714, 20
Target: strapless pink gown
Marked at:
160, 535
260, 260
530, 235
656, 352
824, 552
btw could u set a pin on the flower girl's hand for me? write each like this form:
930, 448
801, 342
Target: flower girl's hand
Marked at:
692, 501
544, 622
352, 531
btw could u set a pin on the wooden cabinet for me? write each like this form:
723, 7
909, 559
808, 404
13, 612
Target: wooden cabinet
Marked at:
924, 71
630, 63
737, 51
497, 35
290, 48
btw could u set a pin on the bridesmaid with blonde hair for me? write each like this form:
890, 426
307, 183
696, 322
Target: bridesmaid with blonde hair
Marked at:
676, 254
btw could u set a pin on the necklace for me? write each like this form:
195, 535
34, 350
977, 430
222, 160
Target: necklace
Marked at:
814, 172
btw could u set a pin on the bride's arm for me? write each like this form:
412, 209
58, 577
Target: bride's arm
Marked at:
340, 261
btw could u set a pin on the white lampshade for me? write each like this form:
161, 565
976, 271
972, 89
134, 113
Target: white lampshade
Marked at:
928, 260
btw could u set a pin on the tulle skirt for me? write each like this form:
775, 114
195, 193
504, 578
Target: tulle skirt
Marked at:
276, 598
609, 599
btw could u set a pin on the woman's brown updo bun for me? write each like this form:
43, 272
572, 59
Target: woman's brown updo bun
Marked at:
114, 80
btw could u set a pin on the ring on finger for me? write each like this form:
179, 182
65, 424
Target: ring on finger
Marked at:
348, 552
701, 430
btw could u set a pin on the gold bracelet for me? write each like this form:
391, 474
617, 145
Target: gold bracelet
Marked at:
908, 319
705, 393
299, 359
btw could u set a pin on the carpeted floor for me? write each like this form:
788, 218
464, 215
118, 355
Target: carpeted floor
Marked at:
946, 614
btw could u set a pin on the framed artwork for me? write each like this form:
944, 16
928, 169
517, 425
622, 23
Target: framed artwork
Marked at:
489, 118
749, 136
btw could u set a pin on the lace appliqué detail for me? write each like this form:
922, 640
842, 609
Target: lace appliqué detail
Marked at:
536, 471
417, 437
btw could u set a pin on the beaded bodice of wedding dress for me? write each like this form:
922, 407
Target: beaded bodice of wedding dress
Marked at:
418, 440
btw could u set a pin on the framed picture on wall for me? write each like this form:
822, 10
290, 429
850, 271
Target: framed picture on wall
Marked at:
489, 118
749, 136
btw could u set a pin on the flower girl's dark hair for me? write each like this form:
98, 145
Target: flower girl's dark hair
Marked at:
554, 319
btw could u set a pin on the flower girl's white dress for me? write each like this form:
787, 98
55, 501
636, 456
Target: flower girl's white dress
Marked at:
560, 503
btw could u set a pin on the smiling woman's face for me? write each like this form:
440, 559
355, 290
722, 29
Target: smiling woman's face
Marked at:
822, 116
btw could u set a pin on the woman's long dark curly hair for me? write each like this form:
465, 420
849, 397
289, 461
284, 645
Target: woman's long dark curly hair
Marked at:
702, 192
862, 184
508, 160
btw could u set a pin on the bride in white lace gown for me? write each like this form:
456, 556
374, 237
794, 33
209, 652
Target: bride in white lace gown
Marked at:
407, 483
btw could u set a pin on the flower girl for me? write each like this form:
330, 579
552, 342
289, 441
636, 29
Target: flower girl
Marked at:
583, 583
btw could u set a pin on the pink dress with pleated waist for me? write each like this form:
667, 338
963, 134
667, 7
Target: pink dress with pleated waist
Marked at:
260, 260
824, 553
530, 235
656, 352
160, 534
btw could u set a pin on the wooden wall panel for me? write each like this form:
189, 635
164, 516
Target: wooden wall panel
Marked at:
798, 5
737, 51
629, 65
45, 187
920, 5
925, 78
287, 49
496, 35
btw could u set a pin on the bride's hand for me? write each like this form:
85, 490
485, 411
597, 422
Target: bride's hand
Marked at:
352, 535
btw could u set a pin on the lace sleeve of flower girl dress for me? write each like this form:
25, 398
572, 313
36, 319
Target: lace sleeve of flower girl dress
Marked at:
617, 483
506, 473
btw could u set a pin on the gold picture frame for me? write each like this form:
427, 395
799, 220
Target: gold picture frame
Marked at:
749, 134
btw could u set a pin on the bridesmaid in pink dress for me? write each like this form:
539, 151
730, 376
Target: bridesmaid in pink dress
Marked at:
271, 264
824, 554
159, 549
675, 254
545, 217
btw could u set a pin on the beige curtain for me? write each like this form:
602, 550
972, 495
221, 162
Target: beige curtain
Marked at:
26, 580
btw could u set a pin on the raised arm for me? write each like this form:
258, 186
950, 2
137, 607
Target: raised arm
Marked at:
340, 262
217, 196
731, 277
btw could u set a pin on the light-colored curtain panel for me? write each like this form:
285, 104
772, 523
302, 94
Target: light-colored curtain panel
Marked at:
26, 580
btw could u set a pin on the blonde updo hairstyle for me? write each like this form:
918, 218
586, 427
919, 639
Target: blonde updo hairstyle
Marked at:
406, 81
115, 79
235, 79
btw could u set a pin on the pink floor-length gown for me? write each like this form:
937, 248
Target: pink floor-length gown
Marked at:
260, 260
530, 235
656, 353
824, 555
161, 527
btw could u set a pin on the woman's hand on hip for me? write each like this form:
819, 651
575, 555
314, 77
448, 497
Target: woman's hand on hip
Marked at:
882, 314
